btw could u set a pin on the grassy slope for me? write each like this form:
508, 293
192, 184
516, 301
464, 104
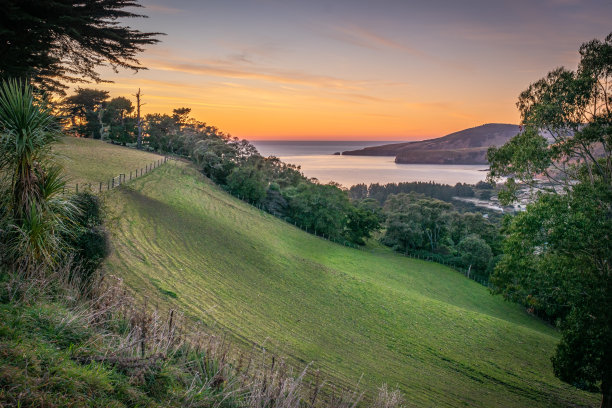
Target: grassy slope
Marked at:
443, 339
93, 161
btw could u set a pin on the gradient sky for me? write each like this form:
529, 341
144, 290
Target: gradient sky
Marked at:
352, 69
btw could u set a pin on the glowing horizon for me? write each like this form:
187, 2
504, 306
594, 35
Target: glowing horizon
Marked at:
351, 70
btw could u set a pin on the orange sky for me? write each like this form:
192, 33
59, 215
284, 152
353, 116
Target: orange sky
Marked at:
267, 69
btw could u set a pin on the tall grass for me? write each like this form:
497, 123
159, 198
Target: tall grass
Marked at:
160, 355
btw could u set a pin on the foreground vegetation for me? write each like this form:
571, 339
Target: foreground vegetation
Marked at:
60, 349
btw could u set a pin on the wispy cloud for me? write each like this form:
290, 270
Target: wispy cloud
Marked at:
361, 37
368, 39
229, 69
162, 9
364, 38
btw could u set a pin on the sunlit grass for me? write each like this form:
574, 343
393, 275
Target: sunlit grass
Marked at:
181, 242
95, 161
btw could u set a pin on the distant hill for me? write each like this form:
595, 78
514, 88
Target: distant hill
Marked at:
468, 146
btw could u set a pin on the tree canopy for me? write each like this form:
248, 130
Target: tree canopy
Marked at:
557, 253
51, 42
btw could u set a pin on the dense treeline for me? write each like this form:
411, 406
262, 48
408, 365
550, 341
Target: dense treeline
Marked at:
234, 164
421, 225
421, 218
443, 192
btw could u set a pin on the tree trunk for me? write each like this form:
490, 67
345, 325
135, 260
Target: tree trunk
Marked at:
138, 120
431, 242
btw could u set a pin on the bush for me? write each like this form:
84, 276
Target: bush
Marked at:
475, 252
88, 240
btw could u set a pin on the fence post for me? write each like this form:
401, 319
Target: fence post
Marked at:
77, 188
130, 174
100, 190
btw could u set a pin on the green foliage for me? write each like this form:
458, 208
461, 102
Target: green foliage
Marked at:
161, 130
485, 195
121, 126
318, 208
583, 352
52, 42
248, 183
557, 253
475, 253
363, 218
88, 241
40, 225
415, 224
36, 215
381, 192
524, 156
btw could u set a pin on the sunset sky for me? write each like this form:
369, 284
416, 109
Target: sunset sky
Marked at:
352, 69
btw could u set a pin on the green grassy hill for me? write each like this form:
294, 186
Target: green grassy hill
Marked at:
182, 242
93, 161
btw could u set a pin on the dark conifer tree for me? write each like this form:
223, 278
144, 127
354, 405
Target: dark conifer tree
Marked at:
52, 42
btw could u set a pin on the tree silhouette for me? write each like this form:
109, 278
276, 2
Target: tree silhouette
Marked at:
52, 42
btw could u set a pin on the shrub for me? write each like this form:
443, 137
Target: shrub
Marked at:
89, 241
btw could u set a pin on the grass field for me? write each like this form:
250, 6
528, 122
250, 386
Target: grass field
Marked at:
442, 339
94, 161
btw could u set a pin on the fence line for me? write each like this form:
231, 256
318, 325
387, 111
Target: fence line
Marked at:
467, 273
117, 180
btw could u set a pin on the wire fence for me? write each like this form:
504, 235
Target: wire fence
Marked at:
116, 181
467, 272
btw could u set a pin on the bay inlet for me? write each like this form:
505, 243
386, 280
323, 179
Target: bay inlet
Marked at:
317, 159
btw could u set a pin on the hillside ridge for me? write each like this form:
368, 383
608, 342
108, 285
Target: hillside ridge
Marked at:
467, 146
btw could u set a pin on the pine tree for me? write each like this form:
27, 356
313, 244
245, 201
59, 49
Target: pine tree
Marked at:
54, 42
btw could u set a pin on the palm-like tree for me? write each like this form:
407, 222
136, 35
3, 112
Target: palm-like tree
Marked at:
35, 213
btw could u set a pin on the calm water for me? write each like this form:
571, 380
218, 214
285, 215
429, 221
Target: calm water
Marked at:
317, 160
